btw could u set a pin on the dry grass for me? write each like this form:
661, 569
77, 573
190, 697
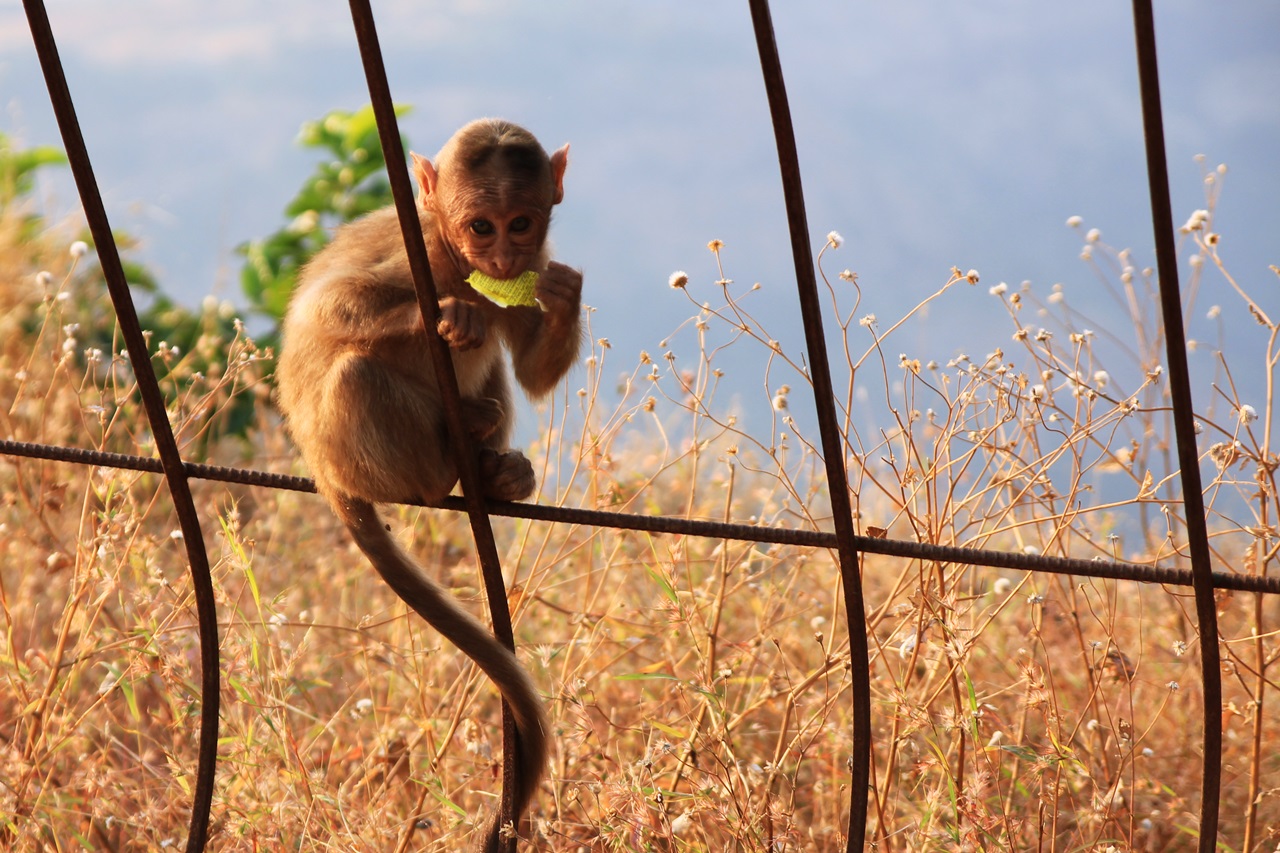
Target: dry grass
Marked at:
698, 690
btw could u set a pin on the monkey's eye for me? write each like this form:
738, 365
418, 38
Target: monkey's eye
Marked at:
521, 224
483, 227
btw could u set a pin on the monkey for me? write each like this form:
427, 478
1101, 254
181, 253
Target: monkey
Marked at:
359, 393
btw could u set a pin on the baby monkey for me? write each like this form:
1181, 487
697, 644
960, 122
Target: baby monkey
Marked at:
359, 392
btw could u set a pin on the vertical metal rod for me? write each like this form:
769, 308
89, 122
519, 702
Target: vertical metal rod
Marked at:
153, 401
429, 302
1183, 423
828, 426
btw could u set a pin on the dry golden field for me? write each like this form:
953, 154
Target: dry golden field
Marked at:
698, 689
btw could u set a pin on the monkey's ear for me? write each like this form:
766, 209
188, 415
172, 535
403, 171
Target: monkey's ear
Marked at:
559, 161
425, 173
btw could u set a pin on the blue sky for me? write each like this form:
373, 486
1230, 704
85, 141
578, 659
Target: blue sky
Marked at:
931, 135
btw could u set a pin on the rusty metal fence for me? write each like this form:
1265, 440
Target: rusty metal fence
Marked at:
847, 545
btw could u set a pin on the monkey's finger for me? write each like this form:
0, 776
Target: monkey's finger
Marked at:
456, 338
556, 293
562, 276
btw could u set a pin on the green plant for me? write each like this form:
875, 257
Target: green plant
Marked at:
18, 169
345, 187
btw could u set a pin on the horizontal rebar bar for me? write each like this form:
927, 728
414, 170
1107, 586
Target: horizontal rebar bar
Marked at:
1105, 569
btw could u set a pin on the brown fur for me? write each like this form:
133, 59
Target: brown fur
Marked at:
358, 388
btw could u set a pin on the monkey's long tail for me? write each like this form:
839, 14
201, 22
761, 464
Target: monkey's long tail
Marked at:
404, 575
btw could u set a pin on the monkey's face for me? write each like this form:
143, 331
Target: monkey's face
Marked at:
495, 221
501, 240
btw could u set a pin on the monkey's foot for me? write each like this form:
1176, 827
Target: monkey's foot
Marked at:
506, 476
481, 416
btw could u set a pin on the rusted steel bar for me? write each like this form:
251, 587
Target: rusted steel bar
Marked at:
828, 425
428, 301
1183, 423
953, 554
170, 459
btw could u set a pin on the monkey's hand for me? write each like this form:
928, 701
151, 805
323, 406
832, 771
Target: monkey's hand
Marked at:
506, 476
462, 324
559, 292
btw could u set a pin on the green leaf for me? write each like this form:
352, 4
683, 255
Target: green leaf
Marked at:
645, 676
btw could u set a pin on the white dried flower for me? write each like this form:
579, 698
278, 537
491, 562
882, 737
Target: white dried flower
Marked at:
79, 248
1002, 586
1093, 235
971, 276
1248, 414
999, 290
834, 240
1213, 312
1074, 222
1173, 686
678, 279
1101, 378
1196, 222
869, 321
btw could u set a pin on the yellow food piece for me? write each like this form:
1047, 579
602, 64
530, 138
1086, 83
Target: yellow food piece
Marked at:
505, 292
